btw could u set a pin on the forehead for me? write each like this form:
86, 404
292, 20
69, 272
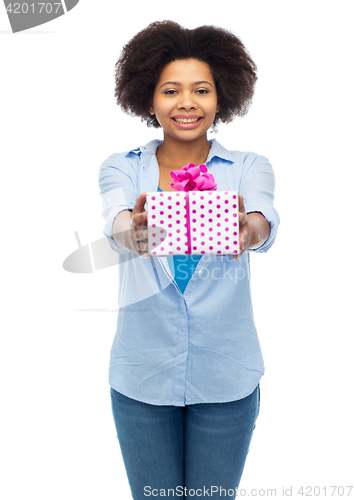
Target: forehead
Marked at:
186, 71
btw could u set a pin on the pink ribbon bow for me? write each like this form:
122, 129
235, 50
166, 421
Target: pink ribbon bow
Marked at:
192, 178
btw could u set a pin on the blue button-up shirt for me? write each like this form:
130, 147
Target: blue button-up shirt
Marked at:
199, 346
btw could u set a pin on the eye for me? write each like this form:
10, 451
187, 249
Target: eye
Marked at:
170, 92
202, 91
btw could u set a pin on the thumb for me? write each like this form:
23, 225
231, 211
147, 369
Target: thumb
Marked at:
140, 202
241, 206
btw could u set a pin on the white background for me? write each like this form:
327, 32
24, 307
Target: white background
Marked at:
59, 121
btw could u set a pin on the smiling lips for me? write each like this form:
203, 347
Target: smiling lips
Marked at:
187, 121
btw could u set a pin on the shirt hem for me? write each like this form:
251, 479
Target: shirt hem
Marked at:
188, 403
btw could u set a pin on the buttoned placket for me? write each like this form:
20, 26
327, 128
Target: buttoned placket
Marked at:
148, 182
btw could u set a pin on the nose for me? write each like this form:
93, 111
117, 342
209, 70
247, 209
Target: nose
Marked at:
186, 101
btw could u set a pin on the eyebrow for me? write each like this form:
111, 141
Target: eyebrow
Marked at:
178, 83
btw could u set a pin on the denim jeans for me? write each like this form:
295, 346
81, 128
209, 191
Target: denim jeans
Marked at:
182, 451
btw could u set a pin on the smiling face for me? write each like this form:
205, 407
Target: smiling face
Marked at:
185, 100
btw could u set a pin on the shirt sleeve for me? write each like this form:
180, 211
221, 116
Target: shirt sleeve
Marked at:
257, 189
117, 180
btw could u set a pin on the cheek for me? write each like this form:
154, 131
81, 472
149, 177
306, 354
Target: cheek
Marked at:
212, 113
213, 107
160, 110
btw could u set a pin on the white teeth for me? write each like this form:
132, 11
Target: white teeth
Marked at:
186, 120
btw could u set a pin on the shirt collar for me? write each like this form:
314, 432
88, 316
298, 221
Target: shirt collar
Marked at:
216, 150
149, 148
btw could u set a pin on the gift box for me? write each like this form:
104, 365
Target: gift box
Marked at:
195, 218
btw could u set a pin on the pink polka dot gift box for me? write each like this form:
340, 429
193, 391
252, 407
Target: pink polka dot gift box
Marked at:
195, 219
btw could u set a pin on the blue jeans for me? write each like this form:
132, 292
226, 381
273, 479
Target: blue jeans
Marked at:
182, 451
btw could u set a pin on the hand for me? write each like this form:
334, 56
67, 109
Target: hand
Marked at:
245, 229
139, 237
254, 229
130, 229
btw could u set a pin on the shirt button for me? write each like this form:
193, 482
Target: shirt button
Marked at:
200, 272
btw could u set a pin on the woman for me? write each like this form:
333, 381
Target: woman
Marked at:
185, 361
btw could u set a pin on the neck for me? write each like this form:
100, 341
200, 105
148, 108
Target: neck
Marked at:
174, 154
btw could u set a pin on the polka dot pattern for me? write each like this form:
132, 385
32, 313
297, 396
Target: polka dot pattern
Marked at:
213, 222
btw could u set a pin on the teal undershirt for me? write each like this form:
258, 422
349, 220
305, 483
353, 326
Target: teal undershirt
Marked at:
182, 267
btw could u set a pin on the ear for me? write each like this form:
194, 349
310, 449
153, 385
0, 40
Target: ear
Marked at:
151, 110
218, 108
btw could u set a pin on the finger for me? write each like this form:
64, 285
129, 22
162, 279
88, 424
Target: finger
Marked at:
140, 220
139, 204
141, 235
242, 218
244, 239
142, 246
241, 244
241, 206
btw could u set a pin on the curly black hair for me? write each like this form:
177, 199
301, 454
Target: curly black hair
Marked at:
143, 58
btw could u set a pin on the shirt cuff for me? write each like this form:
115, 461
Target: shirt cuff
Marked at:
271, 215
108, 228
